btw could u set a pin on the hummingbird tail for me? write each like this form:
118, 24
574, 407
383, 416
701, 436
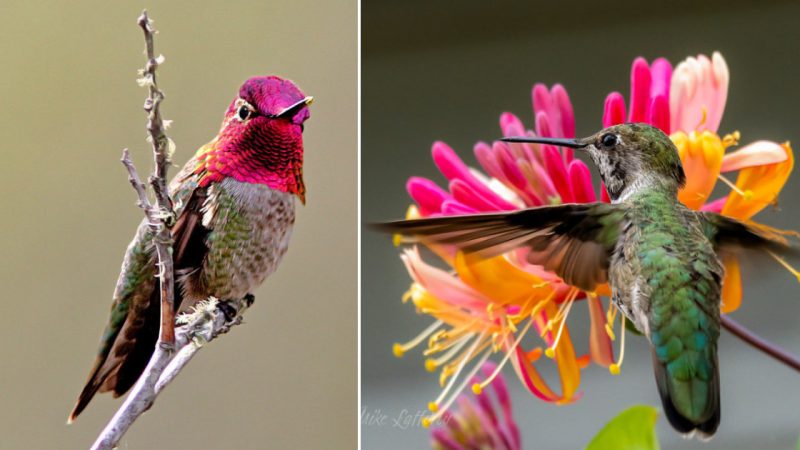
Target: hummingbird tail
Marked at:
691, 406
118, 367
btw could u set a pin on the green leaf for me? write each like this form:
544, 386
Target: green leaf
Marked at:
632, 429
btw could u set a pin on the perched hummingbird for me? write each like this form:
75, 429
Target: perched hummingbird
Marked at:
235, 207
661, 258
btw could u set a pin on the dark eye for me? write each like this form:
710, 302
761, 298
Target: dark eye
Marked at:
244, 112
608, 140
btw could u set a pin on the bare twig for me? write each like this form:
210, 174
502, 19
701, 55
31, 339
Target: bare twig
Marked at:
756, 341
162, 217
210, 318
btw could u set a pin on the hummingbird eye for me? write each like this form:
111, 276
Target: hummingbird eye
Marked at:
243, 113
608, 140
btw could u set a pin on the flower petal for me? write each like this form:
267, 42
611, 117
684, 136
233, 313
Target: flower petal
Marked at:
581, 181
614, 110
761, 185
698, 93
563, 104
661, 76
453, 168
758, 153
640, 90
554, 164
600, 348
426, 194
731, 285
701, 155
658, 116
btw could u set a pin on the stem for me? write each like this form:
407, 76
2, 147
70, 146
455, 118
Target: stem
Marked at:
756, 341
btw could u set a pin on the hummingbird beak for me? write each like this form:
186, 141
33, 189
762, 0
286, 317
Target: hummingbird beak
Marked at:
289, 110
571, 143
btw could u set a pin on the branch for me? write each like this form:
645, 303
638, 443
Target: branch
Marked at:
756, 341
160, 216
175, 347
209, 319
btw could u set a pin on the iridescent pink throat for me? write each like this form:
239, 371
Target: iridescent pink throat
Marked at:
269, 153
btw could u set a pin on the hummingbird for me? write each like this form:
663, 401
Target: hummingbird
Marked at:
662, 259
234, 204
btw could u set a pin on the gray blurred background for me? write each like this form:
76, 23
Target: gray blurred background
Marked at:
286, 379
446, 70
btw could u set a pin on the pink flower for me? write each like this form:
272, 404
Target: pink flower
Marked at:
483, 307
688, 104
480, 422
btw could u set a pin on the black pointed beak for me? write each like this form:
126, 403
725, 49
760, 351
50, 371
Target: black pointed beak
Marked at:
292, 109
571, 143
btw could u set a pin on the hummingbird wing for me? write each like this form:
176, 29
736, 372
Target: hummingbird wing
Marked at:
129, 339
573, 240
729, 235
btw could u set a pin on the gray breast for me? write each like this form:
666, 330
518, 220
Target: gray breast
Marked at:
250, 227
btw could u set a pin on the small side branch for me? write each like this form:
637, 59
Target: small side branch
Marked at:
756, 341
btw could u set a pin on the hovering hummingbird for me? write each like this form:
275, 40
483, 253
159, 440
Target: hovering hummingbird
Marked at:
661, 258
235, 208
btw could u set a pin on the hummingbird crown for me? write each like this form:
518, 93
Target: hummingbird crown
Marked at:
261, 138
635, 155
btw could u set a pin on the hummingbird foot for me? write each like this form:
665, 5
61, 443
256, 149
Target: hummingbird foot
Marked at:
229, 311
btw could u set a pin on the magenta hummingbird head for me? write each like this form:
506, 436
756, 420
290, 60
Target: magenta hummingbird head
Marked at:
261, 139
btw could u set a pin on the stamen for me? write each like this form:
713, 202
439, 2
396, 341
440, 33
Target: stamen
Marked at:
460, 367
731, 139
432, 364
615, 368
564, 307
439, 410
551, 351
747, 195
611, 317
477, 388
785, 264
399, 349
702, 119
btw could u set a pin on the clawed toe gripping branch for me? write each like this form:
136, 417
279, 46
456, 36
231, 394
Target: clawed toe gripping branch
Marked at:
175, 346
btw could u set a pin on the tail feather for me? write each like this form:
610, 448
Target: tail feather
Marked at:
707, 421
121, 365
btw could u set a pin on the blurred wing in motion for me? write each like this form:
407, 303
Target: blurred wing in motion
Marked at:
573, 240
729, 235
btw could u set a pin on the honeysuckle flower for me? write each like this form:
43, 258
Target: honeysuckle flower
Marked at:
688, 104
480, 422
483, 307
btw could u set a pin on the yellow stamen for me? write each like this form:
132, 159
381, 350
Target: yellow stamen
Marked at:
611, 317
551, 351
467, 356
785, 264
615, 368
747, 194
702, 119
397, 239
432, 364
477, 388
444, 407
399, 349
562, 309
731, 139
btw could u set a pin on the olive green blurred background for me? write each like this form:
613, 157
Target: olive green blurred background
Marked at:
286, 379
446, 70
